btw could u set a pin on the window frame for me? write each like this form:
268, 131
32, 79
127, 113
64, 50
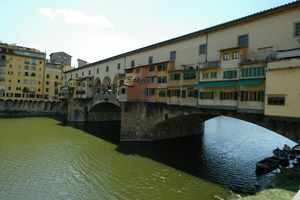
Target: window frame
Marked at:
295, 29
202, 49
173, 55
239, 40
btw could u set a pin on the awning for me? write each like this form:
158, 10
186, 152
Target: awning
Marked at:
215, 84
251, 82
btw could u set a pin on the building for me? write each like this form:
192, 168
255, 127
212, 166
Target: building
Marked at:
63, 59
283, 85
221, 67
81, 62
54, 81
21, 72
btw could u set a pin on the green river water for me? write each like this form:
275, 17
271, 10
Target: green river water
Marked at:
41, 159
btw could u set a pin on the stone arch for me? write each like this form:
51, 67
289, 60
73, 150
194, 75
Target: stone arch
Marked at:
104, 111
106, 84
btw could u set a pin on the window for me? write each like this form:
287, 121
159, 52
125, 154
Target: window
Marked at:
56, 77
276, 100
123, 91
97, 70
119, 66
26, 74
189, 74
228, 95
252, 72
252, 96
82, 73
175, 76
47, 82
192, 92
162, 67
230, 74
47, 76
205, 75
107, 68
206, 95
235, 55
173, 55
162, 93
76, 75
47, 89
183, 93
152, 68
90, 72
226, 57
213, 75
243, 41
149, 92
150, 59
202, 49
132, 63
33, 74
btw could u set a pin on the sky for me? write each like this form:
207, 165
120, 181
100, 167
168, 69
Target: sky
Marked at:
97, 29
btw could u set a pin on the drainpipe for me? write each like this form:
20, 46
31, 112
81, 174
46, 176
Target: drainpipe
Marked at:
206, 47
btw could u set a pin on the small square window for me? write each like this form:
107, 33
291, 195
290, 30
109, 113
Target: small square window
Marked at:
150, 59
243, 41
132, 63
173, 55
202, 49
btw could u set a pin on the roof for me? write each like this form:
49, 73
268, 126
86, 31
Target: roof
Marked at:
20, 48
249, 18
60, 52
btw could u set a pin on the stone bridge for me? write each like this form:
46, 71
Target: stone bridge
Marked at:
154, 121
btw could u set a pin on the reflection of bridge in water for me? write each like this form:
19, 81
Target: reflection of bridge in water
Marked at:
144, 121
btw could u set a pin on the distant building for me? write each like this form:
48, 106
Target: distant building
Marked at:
53, 80
81, 62
61, 58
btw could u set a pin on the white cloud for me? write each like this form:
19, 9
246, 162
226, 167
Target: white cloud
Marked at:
77, 17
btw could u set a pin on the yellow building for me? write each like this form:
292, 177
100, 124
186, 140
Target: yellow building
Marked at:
283, 88
21, 72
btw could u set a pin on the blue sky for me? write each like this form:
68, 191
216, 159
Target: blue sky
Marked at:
96, 29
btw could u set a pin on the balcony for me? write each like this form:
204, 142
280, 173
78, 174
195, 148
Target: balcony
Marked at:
255, 57
210, 64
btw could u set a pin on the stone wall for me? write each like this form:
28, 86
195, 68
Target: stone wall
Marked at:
32, 108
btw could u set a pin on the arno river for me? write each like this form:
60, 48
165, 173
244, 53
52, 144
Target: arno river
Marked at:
41, 158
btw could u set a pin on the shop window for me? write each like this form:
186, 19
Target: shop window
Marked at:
276, 100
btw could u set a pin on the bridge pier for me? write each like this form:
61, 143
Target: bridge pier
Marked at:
77, 111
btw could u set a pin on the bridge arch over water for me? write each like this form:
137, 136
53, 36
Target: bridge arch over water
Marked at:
155, 122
